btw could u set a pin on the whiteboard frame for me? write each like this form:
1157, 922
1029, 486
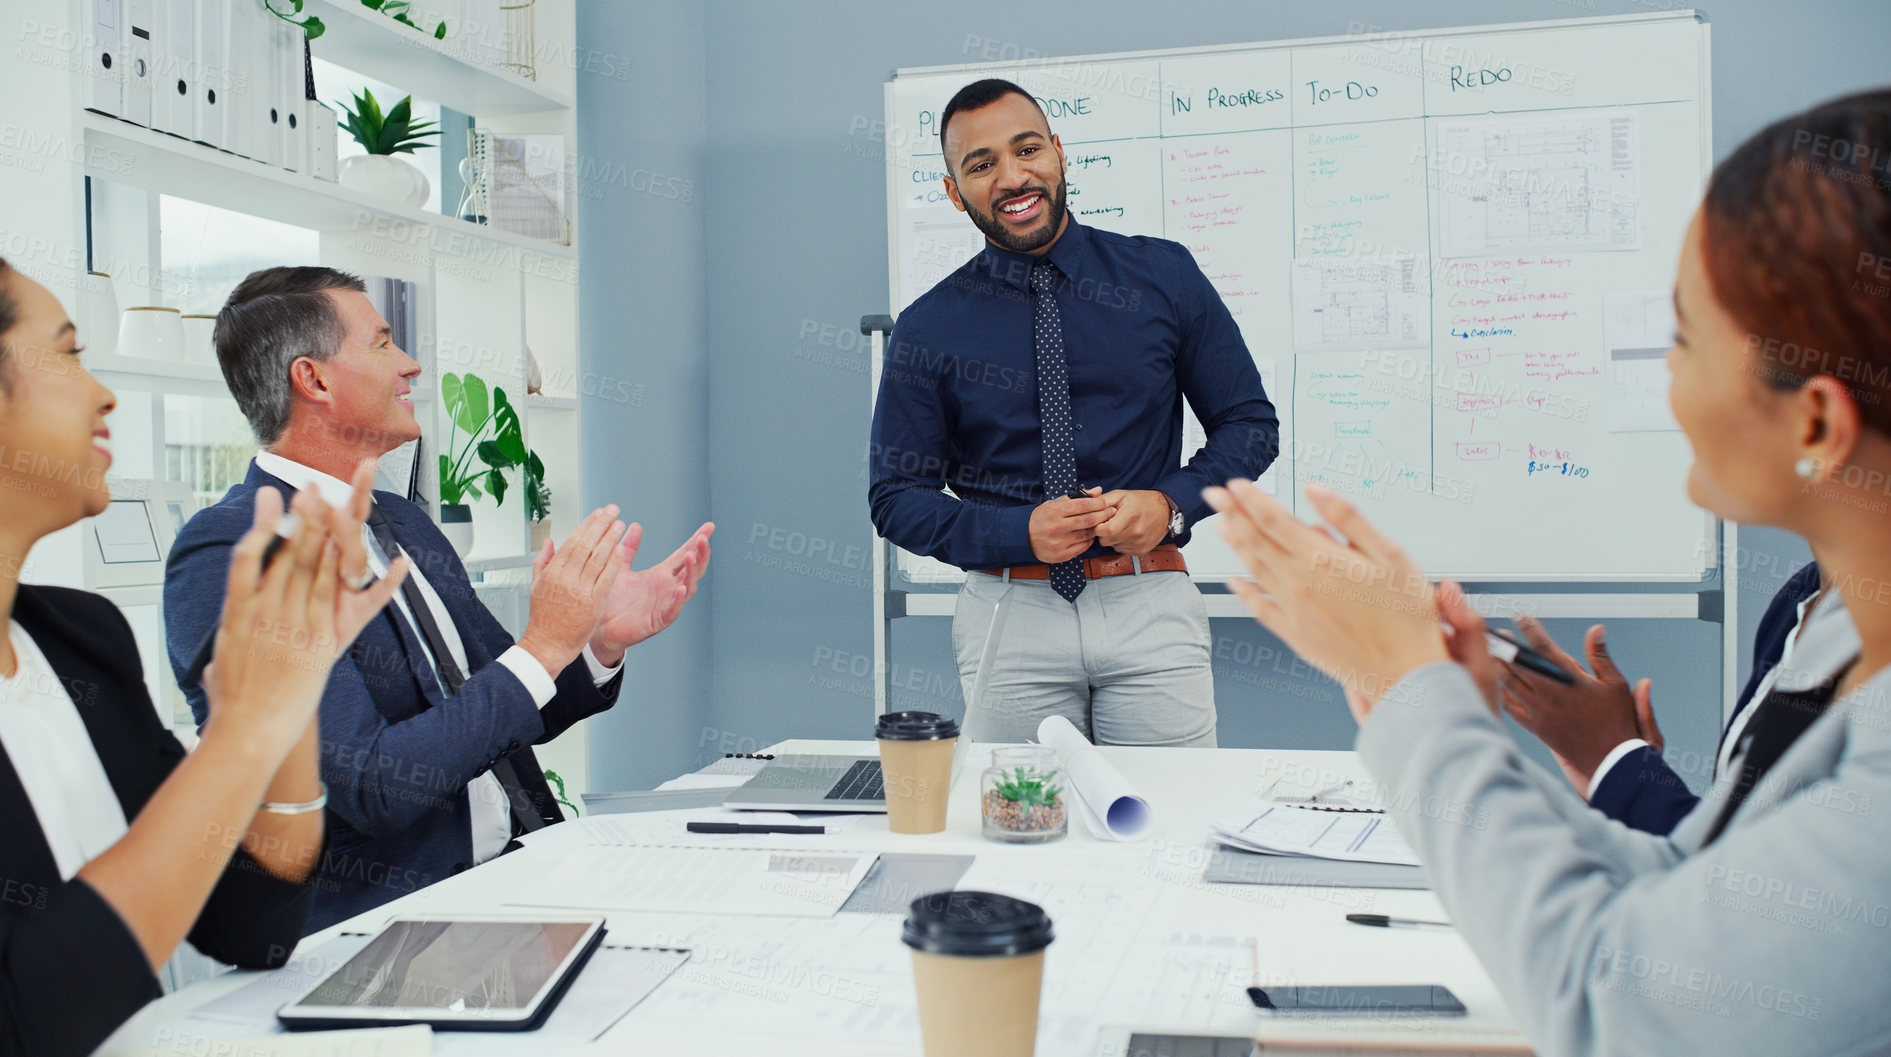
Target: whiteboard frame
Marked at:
1715, 530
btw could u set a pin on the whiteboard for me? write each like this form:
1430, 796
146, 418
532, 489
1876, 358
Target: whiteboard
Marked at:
1449, 252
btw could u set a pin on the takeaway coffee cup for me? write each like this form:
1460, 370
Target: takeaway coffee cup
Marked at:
978, 966
916, 764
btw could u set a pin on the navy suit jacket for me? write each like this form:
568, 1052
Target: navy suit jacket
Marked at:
397, 753
1641, 791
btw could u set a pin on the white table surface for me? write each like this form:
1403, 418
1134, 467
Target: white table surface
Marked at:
1301, 935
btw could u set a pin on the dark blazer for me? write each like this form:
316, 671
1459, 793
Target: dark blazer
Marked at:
70, 970
1641, 791
396, 752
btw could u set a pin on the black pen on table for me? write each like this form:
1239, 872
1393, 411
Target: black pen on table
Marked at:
738, 827
1382, 921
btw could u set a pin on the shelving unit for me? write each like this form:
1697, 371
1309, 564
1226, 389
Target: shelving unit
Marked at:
130, 154
373, 44
483, 294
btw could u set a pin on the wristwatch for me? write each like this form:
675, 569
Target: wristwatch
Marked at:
1176, 521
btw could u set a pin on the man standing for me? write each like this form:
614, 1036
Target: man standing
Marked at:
1042, 382
427, 722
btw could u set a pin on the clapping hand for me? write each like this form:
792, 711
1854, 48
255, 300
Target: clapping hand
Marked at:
1582, 723
283, 626
569, 588
1355, 607
644, 602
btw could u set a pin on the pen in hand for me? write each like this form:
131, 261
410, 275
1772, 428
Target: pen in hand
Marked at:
1510, 651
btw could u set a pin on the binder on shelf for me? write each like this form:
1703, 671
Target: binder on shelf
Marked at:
139, 60
172, 108
102, 89
322, 129
291, 75
242, 95
208, 92
268, 85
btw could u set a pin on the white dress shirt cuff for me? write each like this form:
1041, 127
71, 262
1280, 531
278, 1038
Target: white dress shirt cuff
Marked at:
538, 682
599, 673
1614, 757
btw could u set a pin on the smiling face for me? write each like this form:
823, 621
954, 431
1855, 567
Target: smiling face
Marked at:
1747, 435
1008, 173
369, 380
52, 417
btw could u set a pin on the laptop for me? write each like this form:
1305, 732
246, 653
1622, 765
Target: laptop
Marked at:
818, 783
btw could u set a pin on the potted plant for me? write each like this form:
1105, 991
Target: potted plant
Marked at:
471, 469
1023, 801
379, 173
538, 501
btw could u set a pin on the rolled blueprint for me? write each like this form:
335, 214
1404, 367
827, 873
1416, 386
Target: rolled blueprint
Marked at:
1107, 803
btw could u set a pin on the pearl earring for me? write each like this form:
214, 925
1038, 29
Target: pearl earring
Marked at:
1804, 467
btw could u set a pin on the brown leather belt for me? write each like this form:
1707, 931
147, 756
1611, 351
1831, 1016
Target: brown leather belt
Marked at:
1164, 559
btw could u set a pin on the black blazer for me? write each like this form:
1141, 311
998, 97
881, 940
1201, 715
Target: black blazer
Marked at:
70, 970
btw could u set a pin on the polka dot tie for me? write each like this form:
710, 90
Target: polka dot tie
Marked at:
1053, 410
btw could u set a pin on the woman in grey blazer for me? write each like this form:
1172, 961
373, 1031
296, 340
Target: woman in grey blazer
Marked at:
1761, 925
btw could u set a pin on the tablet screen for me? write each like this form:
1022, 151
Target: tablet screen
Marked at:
469, 968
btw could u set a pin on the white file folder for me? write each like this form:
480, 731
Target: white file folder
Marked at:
270, 116
172, 108
140, 60
320, 123
292, 135
104, 74
243, 92
206, 74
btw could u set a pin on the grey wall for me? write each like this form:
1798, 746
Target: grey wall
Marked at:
793, 225
642, 298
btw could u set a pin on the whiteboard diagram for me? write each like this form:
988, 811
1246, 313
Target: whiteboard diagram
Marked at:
1361, 302
1552, 183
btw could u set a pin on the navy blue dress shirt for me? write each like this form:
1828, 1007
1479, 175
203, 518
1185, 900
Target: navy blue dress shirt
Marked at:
958, 403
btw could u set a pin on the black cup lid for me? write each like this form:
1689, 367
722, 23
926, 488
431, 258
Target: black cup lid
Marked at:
915, 726
976, 924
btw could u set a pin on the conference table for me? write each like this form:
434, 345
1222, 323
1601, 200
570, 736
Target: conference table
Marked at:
1143, 943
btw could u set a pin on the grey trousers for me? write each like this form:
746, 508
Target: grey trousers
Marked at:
1128, 663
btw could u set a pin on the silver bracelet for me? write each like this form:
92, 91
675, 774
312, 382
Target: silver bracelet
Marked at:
303, 808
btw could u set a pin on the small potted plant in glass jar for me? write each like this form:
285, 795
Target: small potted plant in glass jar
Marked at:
1023, 799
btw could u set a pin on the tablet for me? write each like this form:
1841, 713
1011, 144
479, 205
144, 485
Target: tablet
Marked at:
481, 974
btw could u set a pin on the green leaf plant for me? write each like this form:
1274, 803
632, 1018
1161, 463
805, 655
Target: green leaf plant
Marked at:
395, 132
1029, 787
311, 26
493, 442
538, 494
397, 10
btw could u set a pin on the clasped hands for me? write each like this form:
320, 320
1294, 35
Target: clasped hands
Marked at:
1132, 521
585, 592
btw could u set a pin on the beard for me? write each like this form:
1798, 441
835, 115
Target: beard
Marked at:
1032, 239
